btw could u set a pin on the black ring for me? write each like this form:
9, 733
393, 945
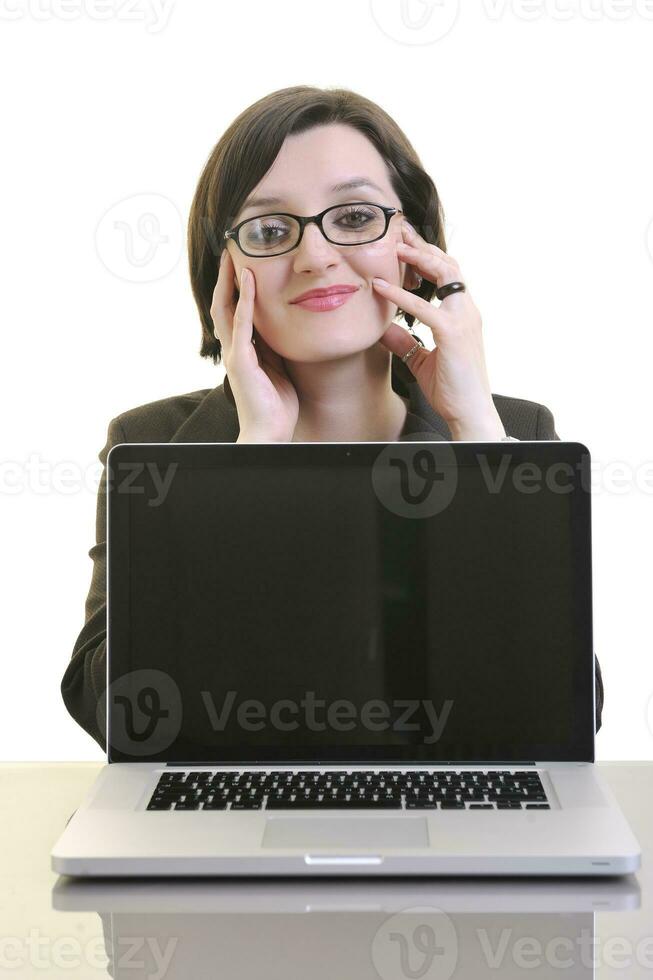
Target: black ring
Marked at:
450, 287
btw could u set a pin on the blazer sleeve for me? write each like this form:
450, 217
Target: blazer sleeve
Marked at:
546, 430
84, 681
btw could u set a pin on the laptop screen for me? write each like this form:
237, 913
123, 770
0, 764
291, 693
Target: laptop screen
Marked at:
366, 602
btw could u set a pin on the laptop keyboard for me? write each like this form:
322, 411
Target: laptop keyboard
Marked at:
347, 790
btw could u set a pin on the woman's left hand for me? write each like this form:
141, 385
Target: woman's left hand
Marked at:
453, 376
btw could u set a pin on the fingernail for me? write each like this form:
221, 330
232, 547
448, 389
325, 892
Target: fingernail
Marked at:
408, 225
224, 252
380, 282
243, 277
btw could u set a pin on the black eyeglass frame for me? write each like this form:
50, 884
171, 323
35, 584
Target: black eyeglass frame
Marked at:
234, 232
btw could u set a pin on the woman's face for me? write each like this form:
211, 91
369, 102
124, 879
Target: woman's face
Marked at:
307, 167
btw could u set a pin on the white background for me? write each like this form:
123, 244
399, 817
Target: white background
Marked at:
534, 120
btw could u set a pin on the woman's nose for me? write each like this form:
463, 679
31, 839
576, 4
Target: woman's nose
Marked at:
314, 247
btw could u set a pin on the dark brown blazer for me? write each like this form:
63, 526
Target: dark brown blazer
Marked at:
209, 415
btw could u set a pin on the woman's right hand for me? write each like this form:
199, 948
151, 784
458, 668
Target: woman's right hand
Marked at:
266, 399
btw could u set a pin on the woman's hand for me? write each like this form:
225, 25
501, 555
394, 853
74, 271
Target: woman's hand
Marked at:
266, 399
453, 376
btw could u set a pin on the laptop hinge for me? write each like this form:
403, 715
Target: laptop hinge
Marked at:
345, 765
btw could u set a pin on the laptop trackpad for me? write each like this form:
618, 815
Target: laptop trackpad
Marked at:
362, 833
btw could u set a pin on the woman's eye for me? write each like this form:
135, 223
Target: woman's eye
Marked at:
268, 231
356, 217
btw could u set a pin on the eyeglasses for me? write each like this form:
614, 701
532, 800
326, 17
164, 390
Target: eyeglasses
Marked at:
356, 223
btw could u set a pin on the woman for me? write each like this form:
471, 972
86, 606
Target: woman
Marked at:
310, 189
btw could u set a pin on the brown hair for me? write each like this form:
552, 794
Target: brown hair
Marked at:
249, 147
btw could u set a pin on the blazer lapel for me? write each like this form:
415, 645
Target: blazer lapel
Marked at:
214, 420
422, 423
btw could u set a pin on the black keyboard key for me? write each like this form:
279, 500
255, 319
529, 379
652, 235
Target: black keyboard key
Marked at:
329, 804
480, 806
538, 806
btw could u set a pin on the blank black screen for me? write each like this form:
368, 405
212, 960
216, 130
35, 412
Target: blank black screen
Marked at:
300, 617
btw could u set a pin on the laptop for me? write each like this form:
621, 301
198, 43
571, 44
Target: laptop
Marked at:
383, 927
348, 658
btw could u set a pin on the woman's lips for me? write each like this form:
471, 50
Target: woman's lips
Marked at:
321, 304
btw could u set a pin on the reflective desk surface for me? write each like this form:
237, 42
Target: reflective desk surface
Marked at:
57, 926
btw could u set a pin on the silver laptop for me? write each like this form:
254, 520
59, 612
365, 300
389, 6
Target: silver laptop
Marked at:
363, 658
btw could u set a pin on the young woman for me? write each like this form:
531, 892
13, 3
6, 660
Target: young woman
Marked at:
313, 226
